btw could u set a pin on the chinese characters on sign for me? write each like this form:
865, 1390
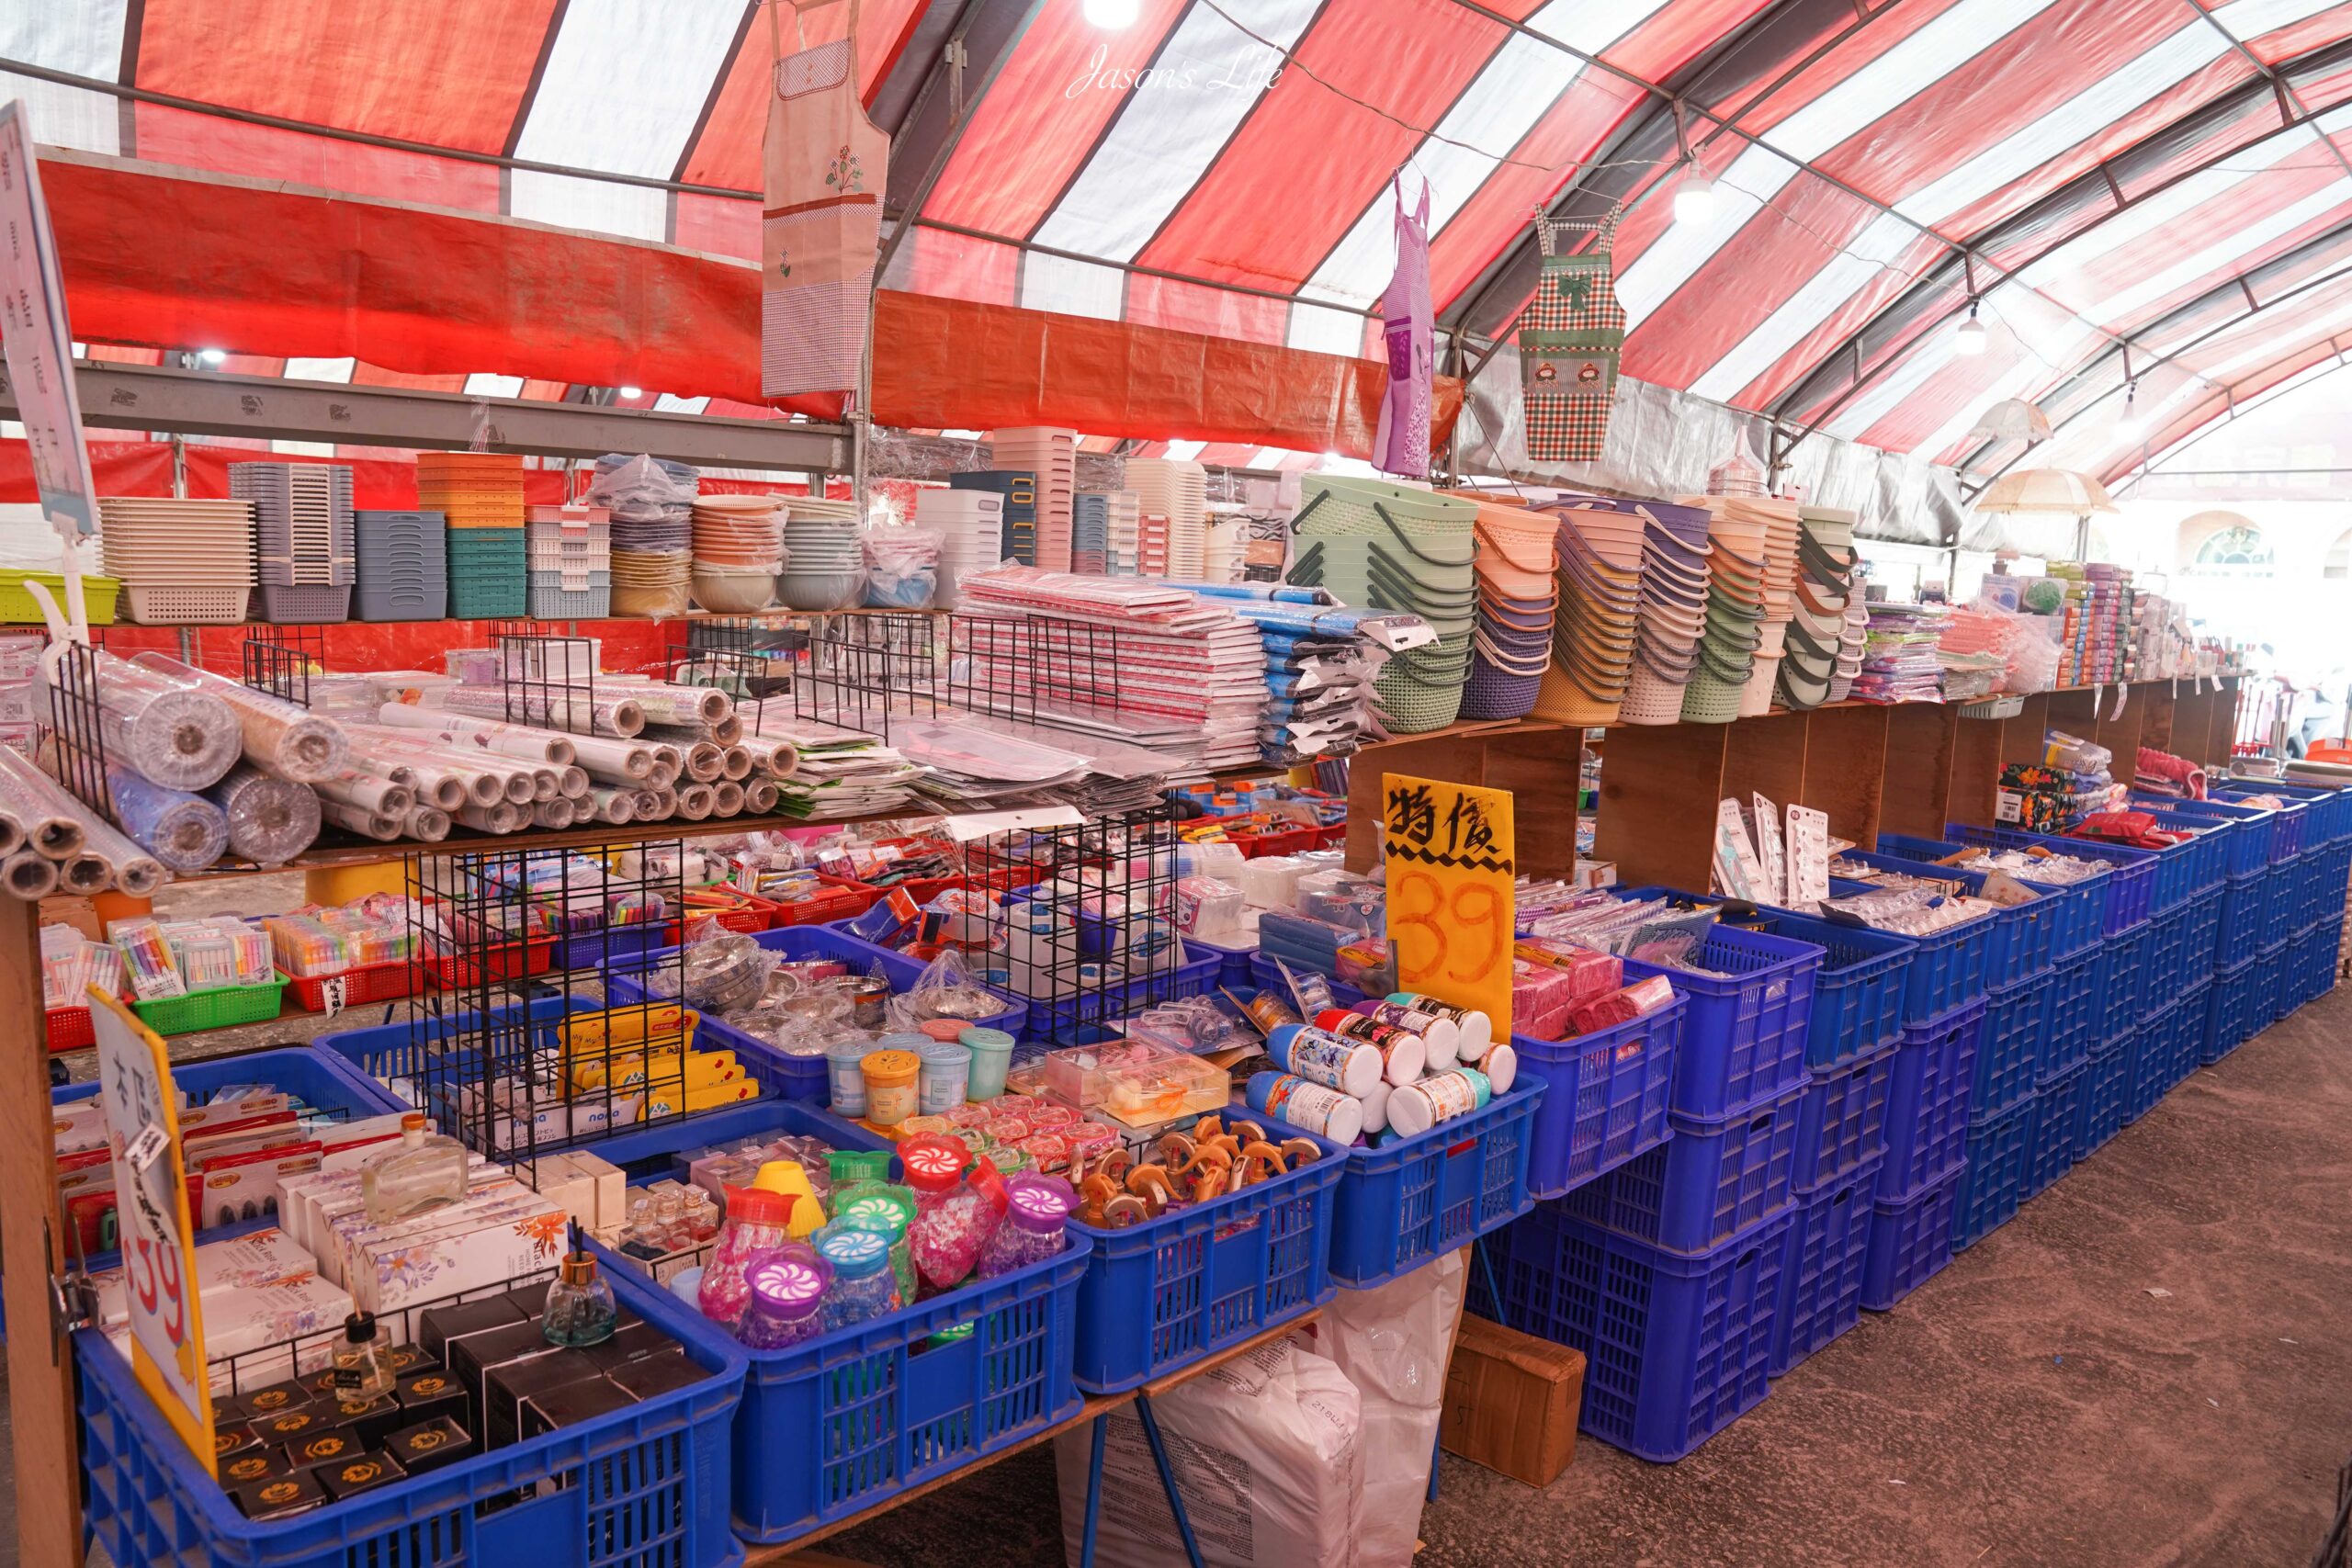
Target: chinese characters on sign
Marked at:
1451, 908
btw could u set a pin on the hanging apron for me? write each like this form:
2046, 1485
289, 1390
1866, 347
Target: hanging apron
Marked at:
1401, 445
1570, 339
821, 225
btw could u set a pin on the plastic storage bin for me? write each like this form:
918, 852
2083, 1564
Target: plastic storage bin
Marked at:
68, 1029
323, 1081
1604, 1097
1743, 1037
393, 1053
385, 982
1707, 1183
2099, 1104
2052, 1154
2009, 1061
1947, 969
1992, 1184
2123, 978
2188, 1038
2023, 935
2245, 902
1911, 1241
1676, 1348
2229, 1011
2072, 913
2067, 1021
1400, 1204
1821, 1273
1928, 1101
2129, 886
2151, 1062
1160, 1295
1841, 1120
216, 1009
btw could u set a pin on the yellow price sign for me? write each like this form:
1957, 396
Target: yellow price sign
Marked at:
1452, 907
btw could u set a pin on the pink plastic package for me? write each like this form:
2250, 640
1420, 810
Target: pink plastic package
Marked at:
1642, 997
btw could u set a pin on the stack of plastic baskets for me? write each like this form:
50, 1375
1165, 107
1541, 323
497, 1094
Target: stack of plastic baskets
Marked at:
403, 566
1517, 596
1386, 547
571, 562
487, 569
480, 495
1927, 1144
303, 556
2098, 1101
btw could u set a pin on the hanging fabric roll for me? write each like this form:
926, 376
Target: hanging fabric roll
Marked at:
1570, 339
185, 831
1401, 445
271, 819
820, 228
284, 737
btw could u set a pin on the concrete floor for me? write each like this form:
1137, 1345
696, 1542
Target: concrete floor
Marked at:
2151, 1367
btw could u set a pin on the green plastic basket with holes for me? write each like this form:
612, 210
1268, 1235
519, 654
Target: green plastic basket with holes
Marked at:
18, 608
216, 1009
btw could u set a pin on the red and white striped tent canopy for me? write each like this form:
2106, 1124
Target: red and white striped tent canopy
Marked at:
2149, 193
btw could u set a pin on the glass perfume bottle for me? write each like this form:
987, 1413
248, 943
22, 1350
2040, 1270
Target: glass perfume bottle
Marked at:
424, 1171
362, 1364
581, 1309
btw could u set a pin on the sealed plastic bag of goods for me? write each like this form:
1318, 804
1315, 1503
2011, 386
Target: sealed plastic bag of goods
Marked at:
1394, 1342
1267, 1456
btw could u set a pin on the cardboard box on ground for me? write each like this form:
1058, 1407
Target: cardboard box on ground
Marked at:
1511, 1402
1314, 1452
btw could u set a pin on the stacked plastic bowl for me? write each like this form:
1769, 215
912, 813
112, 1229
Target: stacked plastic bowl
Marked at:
1595, 632
1822, 593
1672, 615
1733, 629
739, 550
1518, 594
822, 569
1391, 547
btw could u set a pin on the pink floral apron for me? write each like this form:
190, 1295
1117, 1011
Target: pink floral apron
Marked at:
1401, 445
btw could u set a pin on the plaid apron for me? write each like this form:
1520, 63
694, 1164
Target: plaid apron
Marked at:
821, 227
1570, 338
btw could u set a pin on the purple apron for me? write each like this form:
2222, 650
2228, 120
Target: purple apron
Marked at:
1401, 445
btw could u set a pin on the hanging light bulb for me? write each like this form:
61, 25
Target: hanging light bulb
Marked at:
2129, 428
1969, 343
1694, 198
1112, 15
631, 391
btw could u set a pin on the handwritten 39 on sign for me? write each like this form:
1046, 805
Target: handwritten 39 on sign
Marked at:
1451, 904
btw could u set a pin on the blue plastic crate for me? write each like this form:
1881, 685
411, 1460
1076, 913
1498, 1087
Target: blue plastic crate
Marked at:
1604, 1097
645, 1487
1992, 1184
2311, 964
2152, 1046
324, 1081
1744, 1038
798, 1078
1947, 968
2252, 830
2229, 1011
2330, 809
1707, 1183
2270, 990
2121, 975
2099, 1104
1928, 1099
1910, 1241
2068, 1020
1160, 1295
2073, 912
2200, 935
2197, 865
2188, 1036
2244, 903
1841, 1121
1403, 1203
841, 1423
2129, 888
1233, 967
1858, 995
2167, 953
2052, 1153
395, 1053
2023, 937
2008, 1055
1821, 1272
1677, 1347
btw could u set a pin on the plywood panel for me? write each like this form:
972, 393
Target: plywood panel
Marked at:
1456, 759
1766, 756
1658, 790
1542, 773
1921, 748
1844, 760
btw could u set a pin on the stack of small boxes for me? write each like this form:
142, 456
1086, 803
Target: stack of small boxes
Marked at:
480, 495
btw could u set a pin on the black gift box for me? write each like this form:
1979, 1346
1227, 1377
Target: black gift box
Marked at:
278, 1496
430, 1445
362, 1474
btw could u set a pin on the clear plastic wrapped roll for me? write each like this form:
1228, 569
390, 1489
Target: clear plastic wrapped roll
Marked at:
283, 737
271, 819
186, 832
160, 729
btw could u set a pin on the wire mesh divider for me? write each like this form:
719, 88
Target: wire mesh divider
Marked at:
548, 677
1031, 669
513, 1048
862, 672
751, 661
1082, 920
70, 735
281, 661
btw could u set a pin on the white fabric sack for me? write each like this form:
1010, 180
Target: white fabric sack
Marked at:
1395, 1342
1267, 1460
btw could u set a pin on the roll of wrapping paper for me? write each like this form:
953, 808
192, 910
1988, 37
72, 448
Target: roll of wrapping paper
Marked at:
499, 819
157, 726
280, 737
704, 760
555, 812
760, 797
576, 712
778, 759
544, 784
444, 793
572, 780
694, 802
727, 799
532, 745
271, 819
660, 702
738, 764
60, 827
28, 876
366, 824
428, 824
185, 831
366, 792
487, 778
613, 804
653, 804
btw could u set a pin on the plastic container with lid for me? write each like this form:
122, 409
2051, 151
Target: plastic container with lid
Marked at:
863, 1285
954, 1215
1351, 1066
786, 1177
757, 1222
890, 1085
1440, 1097
888, 1212
991, 1055
787, 1299
1287, 1097
945, 1075
843, 1061
1036, 1207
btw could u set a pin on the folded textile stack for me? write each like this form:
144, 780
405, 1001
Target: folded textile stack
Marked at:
1975, 652
1899, 662
1177, 673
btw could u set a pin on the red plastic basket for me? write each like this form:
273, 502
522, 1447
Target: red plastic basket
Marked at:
1334, 837
385, 982
458, 971
734, 910
69, 1029
841, 900
1282, 841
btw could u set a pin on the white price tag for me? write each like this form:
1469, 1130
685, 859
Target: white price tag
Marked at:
332, 993
143, 1149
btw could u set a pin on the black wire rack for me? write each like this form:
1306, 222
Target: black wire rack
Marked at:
1035, 670
548, 677
518, 1045
1086, 928
70, 735
860, 671
281, 661
751, 661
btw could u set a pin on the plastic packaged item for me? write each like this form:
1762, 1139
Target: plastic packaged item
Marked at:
944, 1076
845, 1078
1036, 1210
855, 1168
787, 1299
580, 1308
901, 568
888, 1211
1317, 1055
1639, 999
891, 1094
953, 1216
755, 1224
1440, 1097
863, 1285
422, 1171
1321, 1110
1404, 1054
991, 1054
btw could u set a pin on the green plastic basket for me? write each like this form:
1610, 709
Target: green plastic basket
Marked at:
16, 606
215, 1008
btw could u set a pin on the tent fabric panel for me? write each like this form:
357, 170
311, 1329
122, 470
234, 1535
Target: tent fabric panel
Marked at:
1761, 99
167, 135
443, 71
1885, 284
956, 266
2298, 38
728, 152
717, 225
1217, 312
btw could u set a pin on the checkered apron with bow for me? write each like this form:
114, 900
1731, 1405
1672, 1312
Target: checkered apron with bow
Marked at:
1570, 338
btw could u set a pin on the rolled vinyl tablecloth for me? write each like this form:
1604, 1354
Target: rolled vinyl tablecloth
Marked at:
185, 831
157, 726
270, 819
280, 737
